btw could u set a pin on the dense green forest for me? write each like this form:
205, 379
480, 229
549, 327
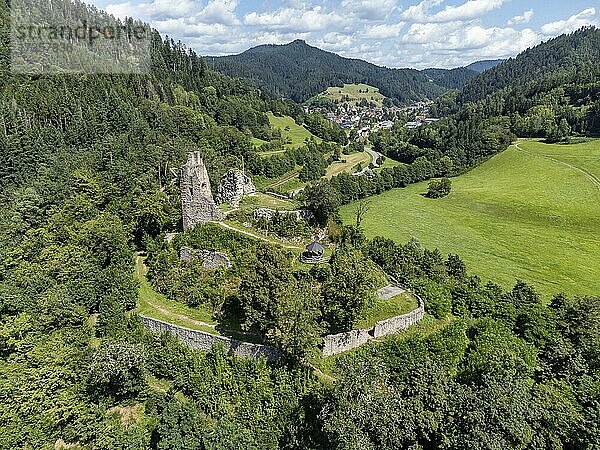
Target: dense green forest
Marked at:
85, 183
560, 55
549, 91
299, 72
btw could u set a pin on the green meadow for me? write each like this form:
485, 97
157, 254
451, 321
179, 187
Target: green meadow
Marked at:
291, 132
530, 213
355, 93
347, 163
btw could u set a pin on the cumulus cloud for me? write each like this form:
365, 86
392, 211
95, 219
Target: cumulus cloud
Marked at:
156, 9
454, 44
220, 11
420, 11
468, 10
215, 11
300, 20
335, 42
370, 9
384, 31
586, 17
422, 33
523, 18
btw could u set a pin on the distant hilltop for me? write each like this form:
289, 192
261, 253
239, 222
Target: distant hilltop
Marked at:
300, 71
482, 66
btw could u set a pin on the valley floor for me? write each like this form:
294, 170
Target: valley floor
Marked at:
531, 213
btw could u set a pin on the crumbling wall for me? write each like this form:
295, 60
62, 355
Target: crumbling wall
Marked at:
269, 214
398, 323
234, 185
204, 341
209, 259
342, 342
197, 200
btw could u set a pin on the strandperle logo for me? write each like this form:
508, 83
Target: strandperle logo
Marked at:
46, 38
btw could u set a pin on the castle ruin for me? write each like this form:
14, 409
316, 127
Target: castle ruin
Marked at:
234, 185
197, 200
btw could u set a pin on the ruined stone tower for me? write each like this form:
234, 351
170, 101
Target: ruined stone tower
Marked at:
233, 186
196, 197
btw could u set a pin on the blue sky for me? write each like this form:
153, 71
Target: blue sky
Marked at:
394, 33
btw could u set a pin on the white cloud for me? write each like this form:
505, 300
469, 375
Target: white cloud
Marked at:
471, 9
428, 33
585, 17
193, 29
299, 20
419, 12
384, 31
524, 18
153, 10
468, 10
215, 11
369, 9
335, 42
454, 44
220, 11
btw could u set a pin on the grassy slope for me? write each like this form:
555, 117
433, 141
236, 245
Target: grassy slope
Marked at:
520, 215
389, 163
384, 309
351, 90
296, 134
349, 161
153, 304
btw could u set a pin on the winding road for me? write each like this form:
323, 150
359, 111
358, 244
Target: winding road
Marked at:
374, 156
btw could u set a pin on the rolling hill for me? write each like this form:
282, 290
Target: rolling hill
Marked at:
530, 213
482, 66
542, 65
300, 71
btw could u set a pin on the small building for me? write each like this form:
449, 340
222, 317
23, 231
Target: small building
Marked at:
313, 253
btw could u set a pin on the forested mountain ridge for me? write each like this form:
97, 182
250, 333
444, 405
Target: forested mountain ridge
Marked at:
561, 55
85, 190
300, 71
482, 66
550, 91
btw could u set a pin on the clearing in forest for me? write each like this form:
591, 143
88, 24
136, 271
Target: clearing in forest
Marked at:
354, 93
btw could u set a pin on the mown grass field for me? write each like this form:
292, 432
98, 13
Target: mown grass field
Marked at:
347, 163
291, 132
389, 163
352, 91
530, 213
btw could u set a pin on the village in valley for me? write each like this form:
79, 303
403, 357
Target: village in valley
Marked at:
362, 109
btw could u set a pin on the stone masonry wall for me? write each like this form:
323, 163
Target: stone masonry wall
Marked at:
234, 185
342, 342
197, 202
269, 214
204, 341
209, 259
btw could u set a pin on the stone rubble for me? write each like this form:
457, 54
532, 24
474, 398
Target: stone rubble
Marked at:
210, 259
